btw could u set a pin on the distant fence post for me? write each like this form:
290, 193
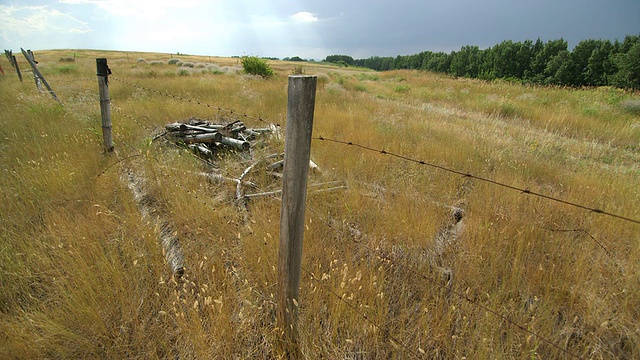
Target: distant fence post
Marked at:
14, 61
38, 74
105, 102
297, 148
36, 78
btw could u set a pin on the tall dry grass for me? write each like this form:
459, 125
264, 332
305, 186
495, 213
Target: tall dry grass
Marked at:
84, 276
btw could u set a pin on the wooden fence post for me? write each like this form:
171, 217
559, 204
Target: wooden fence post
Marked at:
36, 78
105, 102
297, 148
9, 55
14, 61
38, 74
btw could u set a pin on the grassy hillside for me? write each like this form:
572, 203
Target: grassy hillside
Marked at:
388, 272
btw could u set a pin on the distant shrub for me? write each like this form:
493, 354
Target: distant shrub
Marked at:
367, 77
256, 66
200, 65
188, 64
230, 69
141, 60
156, 62
184, 72
173, 61
67, 59
214, 69
323, 80
403, 88
298, 70
631, 106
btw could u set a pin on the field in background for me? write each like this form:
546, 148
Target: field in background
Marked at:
84, 276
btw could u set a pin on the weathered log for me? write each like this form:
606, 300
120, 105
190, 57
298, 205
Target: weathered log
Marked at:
336, 185
209, 138
278, 165
184, 127
170, 243
238, 144
201, 149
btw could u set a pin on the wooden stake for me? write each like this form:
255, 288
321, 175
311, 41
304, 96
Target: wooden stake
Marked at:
105, 103
297, 148
15, 64
38, 74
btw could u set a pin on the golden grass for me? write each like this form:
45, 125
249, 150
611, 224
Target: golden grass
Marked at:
84, 276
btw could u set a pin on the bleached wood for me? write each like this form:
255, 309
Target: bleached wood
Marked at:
105, 107
297, 148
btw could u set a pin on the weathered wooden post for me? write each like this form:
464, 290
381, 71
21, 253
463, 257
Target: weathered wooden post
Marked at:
105, 102
297, 148
38, 74
36, 78
14, 61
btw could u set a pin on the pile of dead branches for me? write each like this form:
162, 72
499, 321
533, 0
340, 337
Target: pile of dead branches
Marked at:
206, 138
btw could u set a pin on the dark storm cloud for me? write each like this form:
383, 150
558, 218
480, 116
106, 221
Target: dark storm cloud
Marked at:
404, 27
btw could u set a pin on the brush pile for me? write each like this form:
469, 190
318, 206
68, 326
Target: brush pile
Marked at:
206, 139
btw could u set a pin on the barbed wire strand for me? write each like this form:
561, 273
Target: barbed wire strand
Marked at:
73, 80
607, 251
388, 259
229, 111
471, 176
385, 257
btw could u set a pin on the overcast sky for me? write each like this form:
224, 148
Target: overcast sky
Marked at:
309, 29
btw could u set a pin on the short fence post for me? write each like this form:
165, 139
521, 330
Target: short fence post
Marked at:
300, 107
15, 64
105, 102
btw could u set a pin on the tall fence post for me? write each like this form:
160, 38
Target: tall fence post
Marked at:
297, 148
14, 61
105, 102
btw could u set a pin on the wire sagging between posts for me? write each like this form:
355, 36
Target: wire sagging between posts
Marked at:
229, 111
471, 176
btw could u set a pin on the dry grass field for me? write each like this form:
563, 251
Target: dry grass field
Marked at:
388, 270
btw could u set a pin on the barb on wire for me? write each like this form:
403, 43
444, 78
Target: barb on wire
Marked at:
229, 111
471, 176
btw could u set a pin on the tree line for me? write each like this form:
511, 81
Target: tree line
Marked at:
590, 63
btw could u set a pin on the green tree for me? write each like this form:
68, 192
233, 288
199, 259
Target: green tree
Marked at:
336, 58
628, 75
539, 68
559, 69
599, 66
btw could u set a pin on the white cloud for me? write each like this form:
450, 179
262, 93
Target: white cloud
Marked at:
304, 16
138, 8
28, 20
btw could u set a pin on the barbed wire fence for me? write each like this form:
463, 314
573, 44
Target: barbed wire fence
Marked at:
136, 153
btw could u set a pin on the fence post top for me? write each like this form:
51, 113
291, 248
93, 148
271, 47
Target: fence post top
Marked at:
302, 76
103, 68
